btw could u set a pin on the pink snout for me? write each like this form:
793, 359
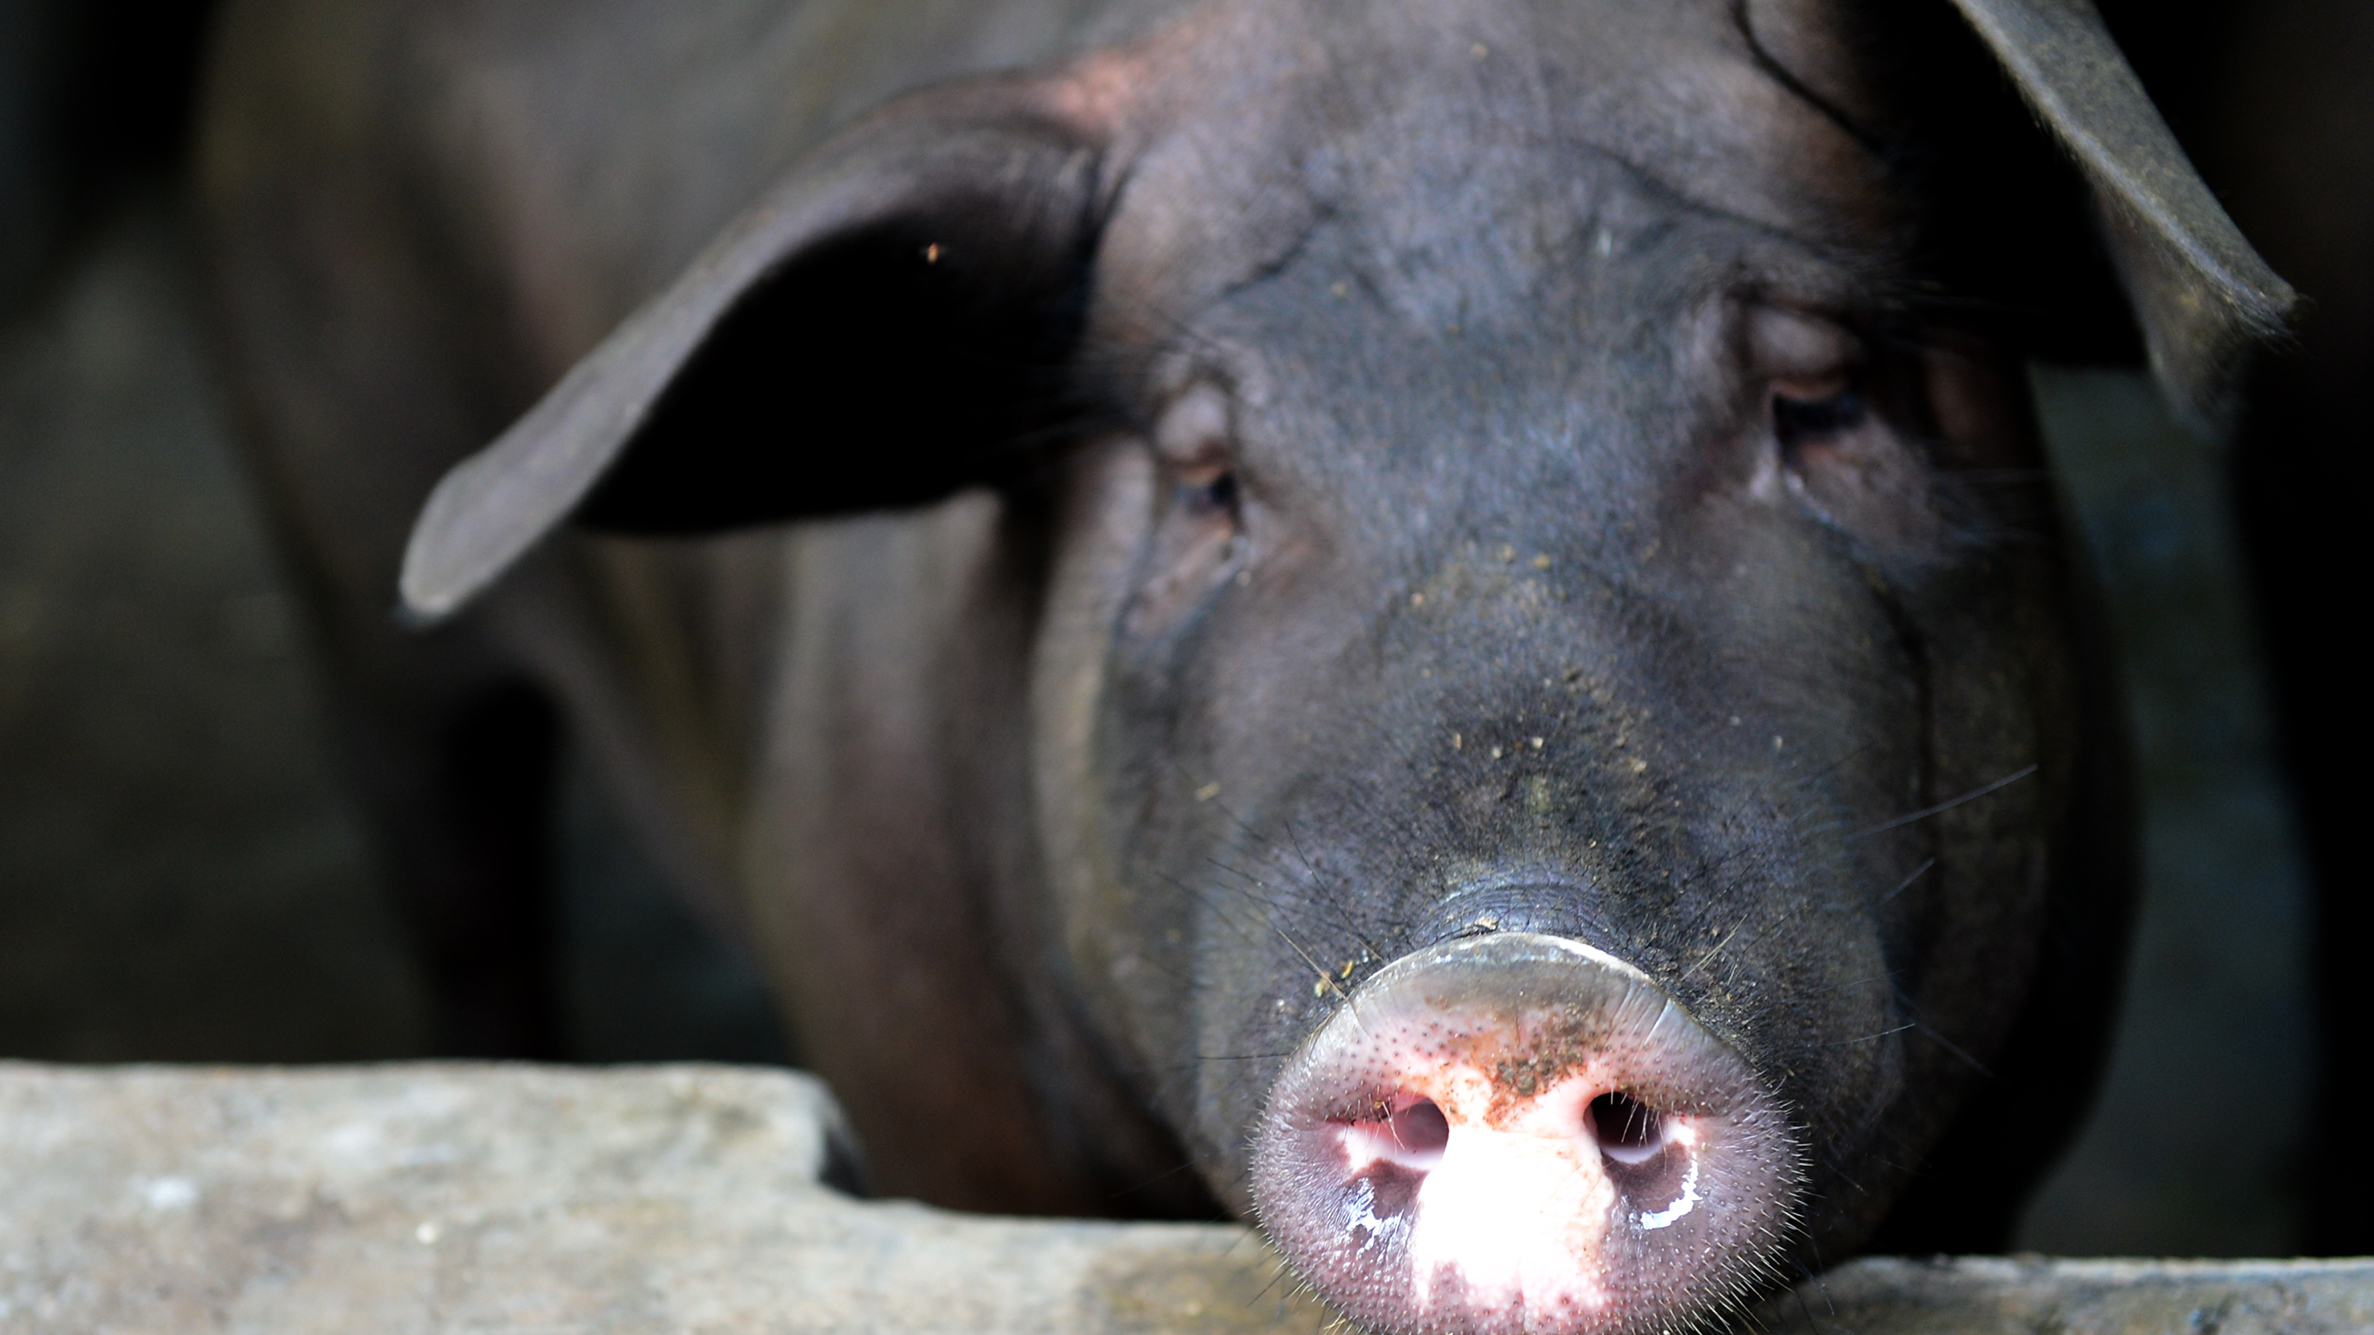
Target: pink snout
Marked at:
1519, 1133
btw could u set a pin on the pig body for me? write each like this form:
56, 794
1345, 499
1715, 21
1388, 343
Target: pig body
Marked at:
1442, 612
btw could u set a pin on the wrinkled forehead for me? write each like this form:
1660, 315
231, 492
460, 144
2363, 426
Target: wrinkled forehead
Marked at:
1484, 137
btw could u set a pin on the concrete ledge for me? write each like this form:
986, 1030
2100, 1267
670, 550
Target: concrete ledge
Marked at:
2031, 1295
448, 1198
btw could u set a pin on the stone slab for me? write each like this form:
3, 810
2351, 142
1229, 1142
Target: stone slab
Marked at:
691, 1199
2034, 1295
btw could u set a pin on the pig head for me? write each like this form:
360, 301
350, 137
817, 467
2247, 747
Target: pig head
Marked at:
1526, 707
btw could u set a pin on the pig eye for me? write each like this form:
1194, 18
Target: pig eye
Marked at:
1843, 457
1212, 498
1192, 439
1810, 414
1197, 544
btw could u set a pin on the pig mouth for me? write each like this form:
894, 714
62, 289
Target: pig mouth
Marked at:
1520, 1134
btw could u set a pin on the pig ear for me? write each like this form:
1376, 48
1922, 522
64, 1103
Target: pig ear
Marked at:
884, 329
2203, 297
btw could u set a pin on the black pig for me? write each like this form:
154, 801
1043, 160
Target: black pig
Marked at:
1445, 609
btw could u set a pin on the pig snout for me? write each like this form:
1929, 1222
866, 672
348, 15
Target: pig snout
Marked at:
1519, 1132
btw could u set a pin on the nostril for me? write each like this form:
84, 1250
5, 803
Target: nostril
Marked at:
1628, 1131
1512, 1133
1407, 1131
1421, 1128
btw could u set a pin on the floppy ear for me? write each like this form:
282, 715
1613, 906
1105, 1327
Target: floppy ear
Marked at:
882, 330
2203, 297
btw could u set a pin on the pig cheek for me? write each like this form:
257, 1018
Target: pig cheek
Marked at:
1983, 413
1103, 526
1870, 486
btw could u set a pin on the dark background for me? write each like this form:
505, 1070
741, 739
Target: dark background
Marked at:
180, 880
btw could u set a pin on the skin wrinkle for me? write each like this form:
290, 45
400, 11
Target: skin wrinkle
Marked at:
1743, 18
1660, 189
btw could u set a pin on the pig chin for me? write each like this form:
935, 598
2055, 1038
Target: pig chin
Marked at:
1518, 1133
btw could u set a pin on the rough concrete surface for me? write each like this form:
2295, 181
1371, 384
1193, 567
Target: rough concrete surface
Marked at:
449, 1198
2031, 1295
402, 1199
